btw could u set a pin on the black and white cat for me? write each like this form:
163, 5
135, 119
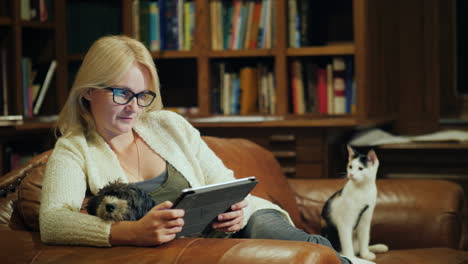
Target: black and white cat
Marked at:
348, 213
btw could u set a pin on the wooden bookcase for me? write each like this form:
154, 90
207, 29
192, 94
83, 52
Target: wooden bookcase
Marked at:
186, 75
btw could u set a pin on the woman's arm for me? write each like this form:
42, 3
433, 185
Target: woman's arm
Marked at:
158, 226
63, 192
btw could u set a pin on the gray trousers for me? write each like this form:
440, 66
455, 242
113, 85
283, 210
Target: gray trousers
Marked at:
270, 224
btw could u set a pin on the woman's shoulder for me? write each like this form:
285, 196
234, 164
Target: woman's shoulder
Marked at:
164, 118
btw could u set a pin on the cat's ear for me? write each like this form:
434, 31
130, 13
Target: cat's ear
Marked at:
372, 156
351, 152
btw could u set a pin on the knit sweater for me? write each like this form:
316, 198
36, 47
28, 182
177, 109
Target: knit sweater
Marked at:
78, 164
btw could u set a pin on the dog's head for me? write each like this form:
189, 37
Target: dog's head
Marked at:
120, 202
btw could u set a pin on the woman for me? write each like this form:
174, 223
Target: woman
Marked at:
112, 129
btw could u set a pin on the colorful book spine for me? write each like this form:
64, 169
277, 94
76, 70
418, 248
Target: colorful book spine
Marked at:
154, 26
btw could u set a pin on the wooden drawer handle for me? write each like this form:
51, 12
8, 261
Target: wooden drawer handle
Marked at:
289, 170
282, 138
284, 154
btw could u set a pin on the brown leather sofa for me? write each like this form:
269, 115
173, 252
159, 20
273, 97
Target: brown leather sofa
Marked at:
419, 220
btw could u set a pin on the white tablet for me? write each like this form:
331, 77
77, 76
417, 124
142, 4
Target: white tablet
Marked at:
203, 204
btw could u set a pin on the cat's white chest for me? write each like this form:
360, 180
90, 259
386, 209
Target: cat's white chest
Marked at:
352, 201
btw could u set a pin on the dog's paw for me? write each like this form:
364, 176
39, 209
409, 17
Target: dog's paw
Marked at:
356, 260
378, 248
368, 255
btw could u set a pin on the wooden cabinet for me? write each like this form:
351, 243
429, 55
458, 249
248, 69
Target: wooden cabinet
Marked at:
303, 149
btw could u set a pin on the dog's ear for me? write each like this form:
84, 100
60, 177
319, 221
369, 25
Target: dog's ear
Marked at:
92, 205
143, 202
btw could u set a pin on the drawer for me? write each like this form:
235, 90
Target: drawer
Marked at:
303, 170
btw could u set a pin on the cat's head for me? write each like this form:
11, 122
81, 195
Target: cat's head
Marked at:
361, 167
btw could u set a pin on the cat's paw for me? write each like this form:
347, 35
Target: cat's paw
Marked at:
367, 255
356, 260
378, 248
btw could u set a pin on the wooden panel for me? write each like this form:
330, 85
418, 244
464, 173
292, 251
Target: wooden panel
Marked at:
309, 170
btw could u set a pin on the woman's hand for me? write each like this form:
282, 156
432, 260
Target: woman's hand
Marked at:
233, 220
160, 225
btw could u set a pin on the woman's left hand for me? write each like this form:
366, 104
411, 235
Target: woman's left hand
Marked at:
233, 220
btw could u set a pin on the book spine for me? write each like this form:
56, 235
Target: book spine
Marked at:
330, 92
322, 90
45, 86
339, 75
153, 26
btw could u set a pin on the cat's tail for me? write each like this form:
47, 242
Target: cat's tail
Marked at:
378, 248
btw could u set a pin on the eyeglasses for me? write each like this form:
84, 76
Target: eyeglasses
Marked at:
123, 96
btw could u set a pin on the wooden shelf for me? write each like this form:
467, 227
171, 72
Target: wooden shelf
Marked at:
241, 53
38, 24
330, 122
334, 49
174, 54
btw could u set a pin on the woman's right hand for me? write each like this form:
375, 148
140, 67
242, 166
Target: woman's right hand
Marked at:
160, 225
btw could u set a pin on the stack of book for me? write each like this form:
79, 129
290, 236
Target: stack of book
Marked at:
164, 24
328, 88
242, 24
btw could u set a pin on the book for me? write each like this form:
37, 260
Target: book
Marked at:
322, 90
11, 120
255, 24
4, 79
330, 92
154, 26
249, 87
339, 76
44, 87
349, 85
310, 90
136, 19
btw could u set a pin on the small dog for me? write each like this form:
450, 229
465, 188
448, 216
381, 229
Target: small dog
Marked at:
119, 201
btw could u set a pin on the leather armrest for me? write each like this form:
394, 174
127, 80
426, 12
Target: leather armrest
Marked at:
26, 247
409, 213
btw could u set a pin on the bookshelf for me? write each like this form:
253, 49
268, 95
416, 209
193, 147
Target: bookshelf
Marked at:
347, 31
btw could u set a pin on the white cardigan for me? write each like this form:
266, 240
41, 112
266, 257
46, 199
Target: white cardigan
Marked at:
78, 164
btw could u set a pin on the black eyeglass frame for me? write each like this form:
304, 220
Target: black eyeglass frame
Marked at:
113, 89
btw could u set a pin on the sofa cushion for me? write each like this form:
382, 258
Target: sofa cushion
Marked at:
29, 196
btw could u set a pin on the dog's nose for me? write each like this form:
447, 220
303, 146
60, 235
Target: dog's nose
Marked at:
110, 208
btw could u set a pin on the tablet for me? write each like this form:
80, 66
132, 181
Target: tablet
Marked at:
203, 204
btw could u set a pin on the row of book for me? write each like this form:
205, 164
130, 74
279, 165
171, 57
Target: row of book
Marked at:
303, 23
242, 24
246, 90
164, 24
36, 81
38, 10
327, 89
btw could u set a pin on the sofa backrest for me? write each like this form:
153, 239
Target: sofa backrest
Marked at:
19, 208
246, 159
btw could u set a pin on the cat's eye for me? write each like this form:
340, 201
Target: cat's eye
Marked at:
361, 168
350, 167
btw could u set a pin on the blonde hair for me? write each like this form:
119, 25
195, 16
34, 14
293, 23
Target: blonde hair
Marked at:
106, 60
